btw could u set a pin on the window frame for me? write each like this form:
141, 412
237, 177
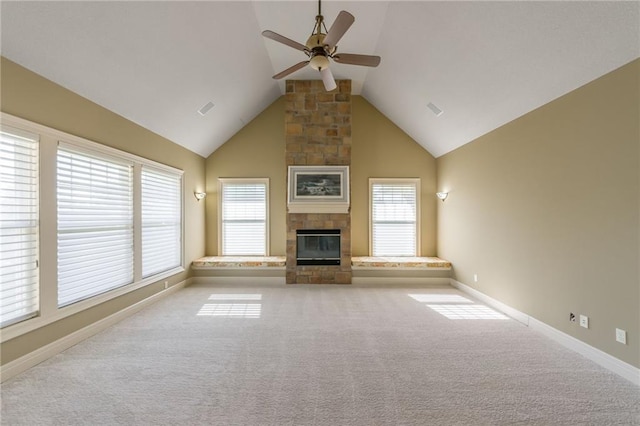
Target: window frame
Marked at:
35, 138
180, 188
48, 290
391, 181
221, 183
81, 169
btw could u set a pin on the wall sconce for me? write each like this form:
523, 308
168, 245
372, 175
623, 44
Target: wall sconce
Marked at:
199, 195
442, 195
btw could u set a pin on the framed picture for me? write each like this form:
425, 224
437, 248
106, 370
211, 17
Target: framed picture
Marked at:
318, 185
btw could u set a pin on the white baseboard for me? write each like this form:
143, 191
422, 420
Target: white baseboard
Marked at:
240, 280
409, 281
601, 358
15, 367
505, 309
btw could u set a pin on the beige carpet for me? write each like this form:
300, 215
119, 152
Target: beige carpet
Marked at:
319, 355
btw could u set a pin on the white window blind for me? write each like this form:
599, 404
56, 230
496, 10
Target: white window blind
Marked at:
18, 226
161, 221
95, 224
244, 218
394, 218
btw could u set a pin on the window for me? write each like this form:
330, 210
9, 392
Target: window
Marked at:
18, 226
394, 217
243, 218
161, 220
81, 223
95, 224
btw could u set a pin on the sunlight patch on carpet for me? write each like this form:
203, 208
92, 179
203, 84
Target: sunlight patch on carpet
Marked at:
231, 310
454, 306
475, 312
440, 298
228, 296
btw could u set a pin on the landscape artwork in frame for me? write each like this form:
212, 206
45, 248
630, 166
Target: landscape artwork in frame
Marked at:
318, 183
318, 189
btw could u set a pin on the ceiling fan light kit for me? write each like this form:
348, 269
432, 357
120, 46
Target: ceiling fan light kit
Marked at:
321, 46
319, 62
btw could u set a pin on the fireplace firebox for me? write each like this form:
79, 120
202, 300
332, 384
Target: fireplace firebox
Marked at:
318, 246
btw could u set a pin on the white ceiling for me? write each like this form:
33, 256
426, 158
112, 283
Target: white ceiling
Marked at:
483, 63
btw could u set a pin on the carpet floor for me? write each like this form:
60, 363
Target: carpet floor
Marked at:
319, 355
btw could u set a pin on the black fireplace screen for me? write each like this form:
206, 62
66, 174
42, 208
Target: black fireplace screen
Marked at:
318, 246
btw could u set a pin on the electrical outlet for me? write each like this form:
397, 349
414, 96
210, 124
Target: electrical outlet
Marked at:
572, 317
584, 321
475, 277
621, 336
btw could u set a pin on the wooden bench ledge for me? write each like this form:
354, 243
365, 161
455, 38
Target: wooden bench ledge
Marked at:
211, 262
368, 262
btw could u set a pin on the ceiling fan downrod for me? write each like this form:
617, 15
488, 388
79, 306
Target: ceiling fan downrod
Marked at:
315, 43
317, 28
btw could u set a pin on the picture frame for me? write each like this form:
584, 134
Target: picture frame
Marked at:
318, 189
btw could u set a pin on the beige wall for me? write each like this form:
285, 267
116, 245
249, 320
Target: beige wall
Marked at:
379, 149
256, 151
546, 211
29, 96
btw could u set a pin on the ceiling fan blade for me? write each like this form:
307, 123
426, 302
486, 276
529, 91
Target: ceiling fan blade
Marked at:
353, 59
327, 79
282, 39
290, 70
339, 27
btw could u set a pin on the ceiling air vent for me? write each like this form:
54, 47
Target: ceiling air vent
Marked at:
205, 109
437, 111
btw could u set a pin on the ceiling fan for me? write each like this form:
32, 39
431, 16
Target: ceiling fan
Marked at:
321, 46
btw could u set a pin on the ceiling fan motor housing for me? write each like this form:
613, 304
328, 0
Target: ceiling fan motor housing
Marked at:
316, 40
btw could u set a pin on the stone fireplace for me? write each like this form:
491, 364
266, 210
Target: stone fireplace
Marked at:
318, 133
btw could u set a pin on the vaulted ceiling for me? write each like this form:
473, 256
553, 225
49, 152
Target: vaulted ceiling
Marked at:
482, 63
